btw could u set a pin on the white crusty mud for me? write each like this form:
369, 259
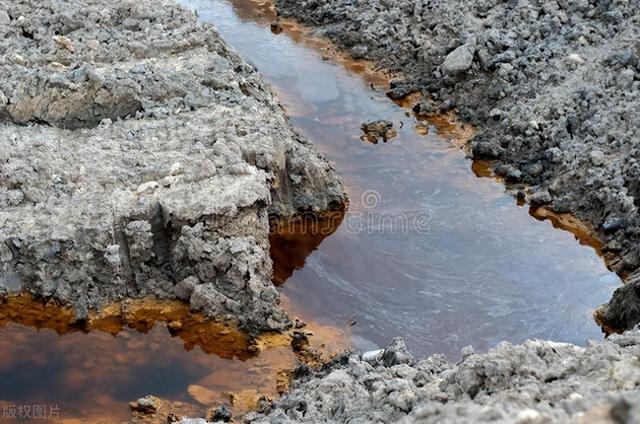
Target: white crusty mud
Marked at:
552, 86
139, 156
532, 383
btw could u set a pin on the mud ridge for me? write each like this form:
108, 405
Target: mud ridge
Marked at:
139, 157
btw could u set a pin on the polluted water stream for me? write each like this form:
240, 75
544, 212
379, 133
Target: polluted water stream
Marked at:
427, 251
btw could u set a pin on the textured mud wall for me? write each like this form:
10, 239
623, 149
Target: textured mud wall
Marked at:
535, 382
139, 156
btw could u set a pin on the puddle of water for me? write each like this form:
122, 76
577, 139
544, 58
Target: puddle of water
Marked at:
428, 251
73, 374
90, 371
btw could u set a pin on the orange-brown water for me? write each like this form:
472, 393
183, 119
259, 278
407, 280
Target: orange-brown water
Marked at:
89, 371
427, 251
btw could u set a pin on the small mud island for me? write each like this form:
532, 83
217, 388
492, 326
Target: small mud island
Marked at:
140, 157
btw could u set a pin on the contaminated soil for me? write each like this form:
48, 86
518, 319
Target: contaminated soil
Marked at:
533, 382
140, 157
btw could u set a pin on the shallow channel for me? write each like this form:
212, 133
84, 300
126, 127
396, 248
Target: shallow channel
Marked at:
428, 251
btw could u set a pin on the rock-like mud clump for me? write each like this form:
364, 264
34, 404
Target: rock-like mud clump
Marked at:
139, 156
535, 382
552, 86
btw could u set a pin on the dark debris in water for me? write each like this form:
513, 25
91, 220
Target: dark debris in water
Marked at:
379, 129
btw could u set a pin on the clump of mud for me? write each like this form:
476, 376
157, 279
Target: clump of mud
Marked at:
535, 382
553, 88
140, 157
378, 130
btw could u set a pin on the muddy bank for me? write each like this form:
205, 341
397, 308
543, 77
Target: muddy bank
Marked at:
535, 382
552, 86
140, 157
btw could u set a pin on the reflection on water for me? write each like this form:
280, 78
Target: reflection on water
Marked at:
90, 370
476, 269
293, 241
74, 373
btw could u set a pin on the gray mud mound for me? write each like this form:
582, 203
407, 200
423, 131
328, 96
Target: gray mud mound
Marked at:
139, 156
535, 382
553, 86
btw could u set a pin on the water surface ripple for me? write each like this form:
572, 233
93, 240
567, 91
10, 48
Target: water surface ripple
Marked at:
480, 271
